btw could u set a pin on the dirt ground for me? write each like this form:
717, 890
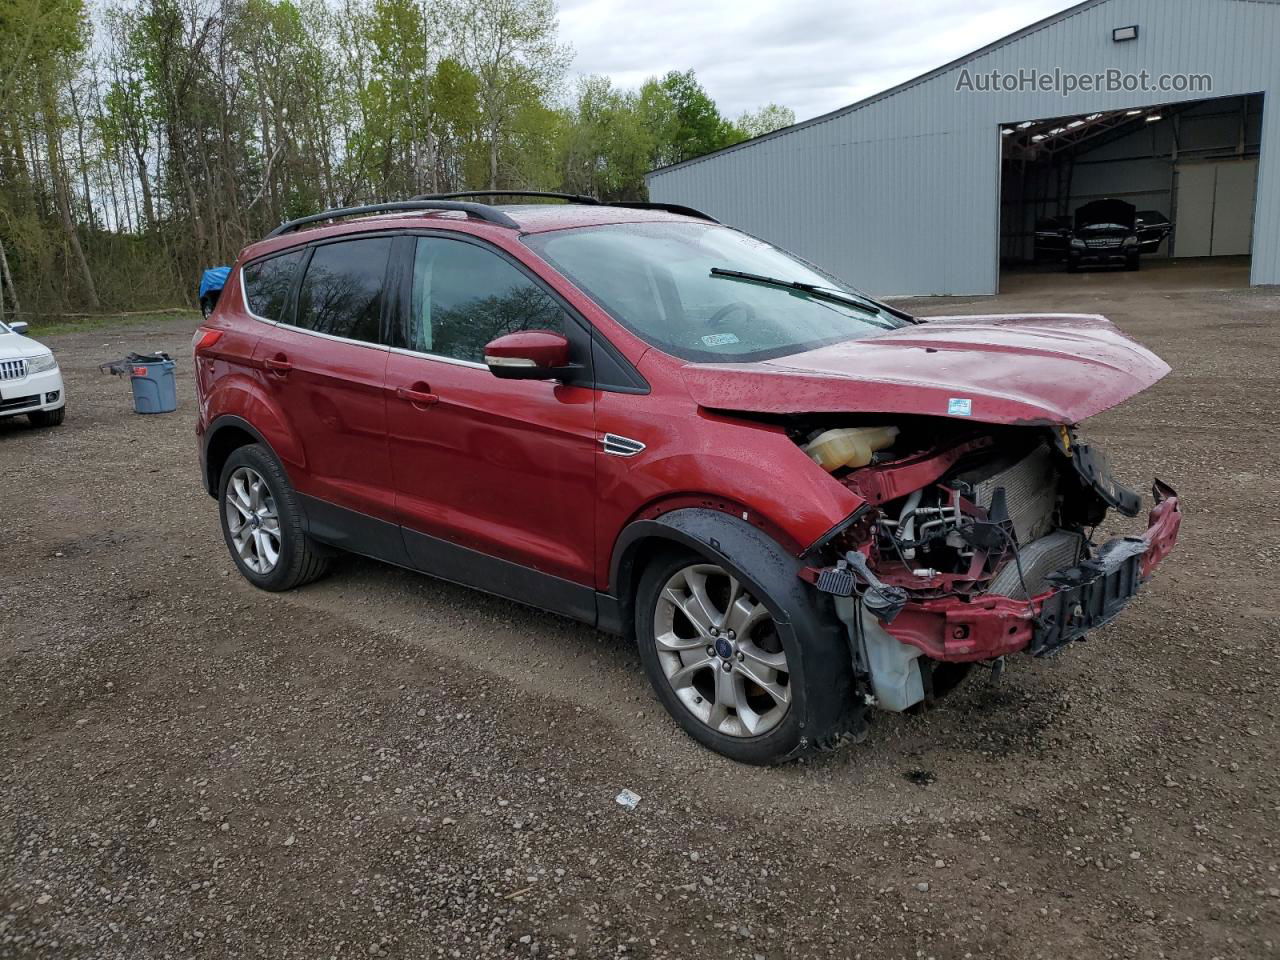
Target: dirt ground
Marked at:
384, 765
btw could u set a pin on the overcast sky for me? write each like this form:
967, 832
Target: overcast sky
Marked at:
810, 55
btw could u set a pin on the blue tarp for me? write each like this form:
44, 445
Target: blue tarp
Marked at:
213, 280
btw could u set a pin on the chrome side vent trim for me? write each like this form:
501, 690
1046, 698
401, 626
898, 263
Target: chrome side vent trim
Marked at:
617, 446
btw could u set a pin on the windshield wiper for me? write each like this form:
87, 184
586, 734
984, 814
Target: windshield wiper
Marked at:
812, 289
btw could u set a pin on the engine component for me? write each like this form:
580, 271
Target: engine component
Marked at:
892, 666
883, 601
1031, 491
848, 446
1051, 553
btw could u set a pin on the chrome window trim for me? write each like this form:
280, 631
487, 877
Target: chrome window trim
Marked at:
244, 288
310, 333
406, 352
330, 336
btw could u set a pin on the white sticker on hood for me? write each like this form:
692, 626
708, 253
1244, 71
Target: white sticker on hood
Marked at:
719, 339
959, 407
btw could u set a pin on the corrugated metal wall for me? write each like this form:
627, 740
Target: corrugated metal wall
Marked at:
901, 194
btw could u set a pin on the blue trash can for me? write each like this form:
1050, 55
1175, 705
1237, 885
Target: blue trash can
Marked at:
154, 388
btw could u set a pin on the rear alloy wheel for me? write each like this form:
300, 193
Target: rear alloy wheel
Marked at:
263, 524
720, 652
252, 521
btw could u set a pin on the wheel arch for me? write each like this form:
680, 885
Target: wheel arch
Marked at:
770, 573
225, 435
745, 550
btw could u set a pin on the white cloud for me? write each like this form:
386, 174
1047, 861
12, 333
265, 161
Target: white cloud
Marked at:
809, 55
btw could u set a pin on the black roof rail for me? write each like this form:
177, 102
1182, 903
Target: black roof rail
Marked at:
679, 208
481, 211
571, 197
575, 198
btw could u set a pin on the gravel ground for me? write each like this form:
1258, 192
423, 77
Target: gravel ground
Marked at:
384, 765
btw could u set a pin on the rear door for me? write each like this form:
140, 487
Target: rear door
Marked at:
325, 367
495, 479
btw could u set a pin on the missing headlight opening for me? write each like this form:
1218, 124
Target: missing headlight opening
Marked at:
973, 543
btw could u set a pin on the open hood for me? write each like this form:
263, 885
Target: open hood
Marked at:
1032, 370
1108, 212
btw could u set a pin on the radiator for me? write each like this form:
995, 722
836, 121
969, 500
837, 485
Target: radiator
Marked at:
1030, 490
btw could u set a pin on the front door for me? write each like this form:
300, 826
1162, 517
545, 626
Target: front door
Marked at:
324, 365
495, 479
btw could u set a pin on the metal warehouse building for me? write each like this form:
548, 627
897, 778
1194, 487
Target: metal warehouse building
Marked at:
929, 187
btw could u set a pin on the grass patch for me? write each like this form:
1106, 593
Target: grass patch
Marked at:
75, 324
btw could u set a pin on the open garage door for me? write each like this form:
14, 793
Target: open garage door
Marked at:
1185, 174
1215, 203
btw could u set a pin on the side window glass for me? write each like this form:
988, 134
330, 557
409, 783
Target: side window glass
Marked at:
464, 296
341, 294
267, 283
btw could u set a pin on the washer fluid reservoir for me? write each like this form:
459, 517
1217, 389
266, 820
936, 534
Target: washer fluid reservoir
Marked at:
848, 446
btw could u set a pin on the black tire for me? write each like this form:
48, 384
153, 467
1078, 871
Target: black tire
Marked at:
48, 418
301, 559
1073, 267
1132, 263
824, 711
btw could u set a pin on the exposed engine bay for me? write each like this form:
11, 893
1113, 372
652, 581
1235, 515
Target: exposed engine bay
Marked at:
967, 545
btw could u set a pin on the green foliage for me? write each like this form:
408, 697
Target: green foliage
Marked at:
37, 35
683, 119
190, 127
607, 147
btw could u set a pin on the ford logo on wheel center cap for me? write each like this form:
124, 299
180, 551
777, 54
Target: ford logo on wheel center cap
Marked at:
724, 648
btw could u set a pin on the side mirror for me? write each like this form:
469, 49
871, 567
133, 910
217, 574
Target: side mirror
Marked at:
529, 355
20, 327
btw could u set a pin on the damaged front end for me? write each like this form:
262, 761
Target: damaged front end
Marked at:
972, 545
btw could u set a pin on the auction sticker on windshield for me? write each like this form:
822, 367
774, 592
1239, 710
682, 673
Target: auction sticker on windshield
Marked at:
719, 339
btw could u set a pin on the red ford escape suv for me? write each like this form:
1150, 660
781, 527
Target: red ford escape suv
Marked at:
800, 502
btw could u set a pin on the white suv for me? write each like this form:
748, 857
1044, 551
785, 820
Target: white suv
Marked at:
30, 381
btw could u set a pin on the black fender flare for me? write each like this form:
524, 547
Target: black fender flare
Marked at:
216, 426
751, 555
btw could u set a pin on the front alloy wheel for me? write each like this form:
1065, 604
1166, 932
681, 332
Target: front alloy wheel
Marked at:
721, 653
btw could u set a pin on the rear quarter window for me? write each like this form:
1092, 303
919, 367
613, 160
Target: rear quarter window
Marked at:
341, 295
267, 283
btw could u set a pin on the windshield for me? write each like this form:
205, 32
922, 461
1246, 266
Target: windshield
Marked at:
657, 280
3, 328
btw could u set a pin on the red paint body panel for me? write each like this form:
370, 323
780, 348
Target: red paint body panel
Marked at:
692, 454
506, 467
1051, 369
331, 393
